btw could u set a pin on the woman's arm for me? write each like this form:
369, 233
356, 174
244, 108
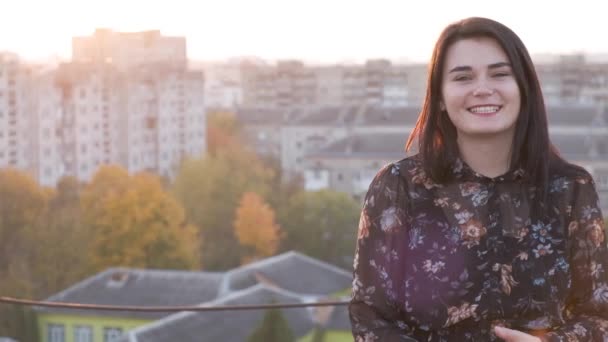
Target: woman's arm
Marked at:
372, 310
587, 305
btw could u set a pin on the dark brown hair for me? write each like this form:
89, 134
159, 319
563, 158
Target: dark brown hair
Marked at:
531, 150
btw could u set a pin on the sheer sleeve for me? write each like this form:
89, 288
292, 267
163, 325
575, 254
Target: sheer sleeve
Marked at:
587, 305
373, 311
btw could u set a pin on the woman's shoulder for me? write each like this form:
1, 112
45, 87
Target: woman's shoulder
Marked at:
411, 164
395, 179
572, 172
386, 200
397, 170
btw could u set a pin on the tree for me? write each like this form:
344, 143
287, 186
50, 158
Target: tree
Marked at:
52, 242
223, 132
283, 187
18, 322
210, 190
40, 227
255, 227
23, 202
274, 328
135, 223
321, 224
21, 211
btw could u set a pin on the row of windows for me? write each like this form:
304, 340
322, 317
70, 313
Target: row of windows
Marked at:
12, 154
11, 112
81, 333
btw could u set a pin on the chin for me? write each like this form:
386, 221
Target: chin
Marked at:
486, 131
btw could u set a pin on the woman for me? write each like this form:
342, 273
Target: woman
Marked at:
486, 234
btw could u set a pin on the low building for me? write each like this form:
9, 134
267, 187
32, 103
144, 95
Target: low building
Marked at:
286, 278
122, 286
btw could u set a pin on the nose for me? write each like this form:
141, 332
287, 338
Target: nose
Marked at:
483, 90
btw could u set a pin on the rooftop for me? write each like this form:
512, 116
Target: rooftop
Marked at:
377, 146
291, 271
126, 286
226, 326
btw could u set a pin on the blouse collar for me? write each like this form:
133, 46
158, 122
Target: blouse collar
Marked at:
461, 170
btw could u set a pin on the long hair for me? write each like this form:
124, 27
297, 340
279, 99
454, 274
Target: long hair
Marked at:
436, 135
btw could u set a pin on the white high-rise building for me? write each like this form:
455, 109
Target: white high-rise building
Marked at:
161, 120
223, 86
12, 106
71, 120
84, 132
143, 120
125, 99
45, 152
127, 50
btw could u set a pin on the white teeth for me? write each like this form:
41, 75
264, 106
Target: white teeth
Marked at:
485, 109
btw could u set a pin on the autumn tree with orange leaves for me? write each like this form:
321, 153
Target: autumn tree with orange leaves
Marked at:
255, 227
136, 223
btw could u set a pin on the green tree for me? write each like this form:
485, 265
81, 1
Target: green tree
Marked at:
135, 223
274, 328
321, 224
210, 190
283, 187
52, 242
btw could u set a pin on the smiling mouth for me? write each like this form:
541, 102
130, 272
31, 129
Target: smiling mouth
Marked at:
485, 110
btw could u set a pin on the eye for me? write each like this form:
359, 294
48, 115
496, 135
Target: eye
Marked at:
502, 74
462, 78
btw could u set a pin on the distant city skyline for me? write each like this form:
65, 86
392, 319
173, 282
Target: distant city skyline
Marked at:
314, 31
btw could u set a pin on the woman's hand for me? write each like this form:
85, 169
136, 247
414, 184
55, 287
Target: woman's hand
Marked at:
510, 335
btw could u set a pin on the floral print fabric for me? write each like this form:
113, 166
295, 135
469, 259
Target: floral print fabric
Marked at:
448, 262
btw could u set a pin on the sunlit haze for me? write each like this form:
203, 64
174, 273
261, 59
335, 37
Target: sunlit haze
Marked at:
313, 30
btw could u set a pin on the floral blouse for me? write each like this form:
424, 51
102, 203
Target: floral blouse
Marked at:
448, 262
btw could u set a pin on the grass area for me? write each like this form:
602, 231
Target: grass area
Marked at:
346, 292
331, 336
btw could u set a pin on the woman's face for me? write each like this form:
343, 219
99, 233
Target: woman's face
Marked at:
479, 89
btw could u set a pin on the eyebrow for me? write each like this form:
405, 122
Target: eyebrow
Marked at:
490, 66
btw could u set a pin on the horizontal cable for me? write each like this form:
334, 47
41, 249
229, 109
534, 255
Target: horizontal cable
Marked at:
77, 306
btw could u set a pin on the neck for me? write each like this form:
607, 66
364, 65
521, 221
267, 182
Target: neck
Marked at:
490, 157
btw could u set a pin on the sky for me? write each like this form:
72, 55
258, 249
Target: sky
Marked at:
325, 31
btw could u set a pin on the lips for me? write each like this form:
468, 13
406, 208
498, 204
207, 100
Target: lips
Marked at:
484, 109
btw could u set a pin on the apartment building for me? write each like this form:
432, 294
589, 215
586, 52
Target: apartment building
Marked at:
564, 79
293, 84
125, 98
14, 78
342, 147
45, 161
319, 128
86, 138
223, 86
290, 83
160, 119
574, 79
147, 119
330, 86
72, 119
128, 50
